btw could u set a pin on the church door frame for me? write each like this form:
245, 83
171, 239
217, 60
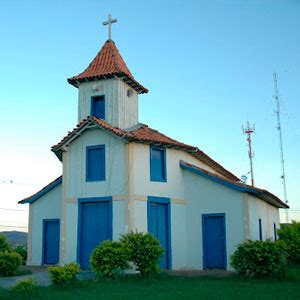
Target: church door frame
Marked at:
54, 242
82, 201
164, 201
209, 237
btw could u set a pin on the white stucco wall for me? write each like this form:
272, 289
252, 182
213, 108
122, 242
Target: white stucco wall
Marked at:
268, 214
204, 196
71, 218
119, 226
140, 216
174, 189
120, 110
47, 207
179, 233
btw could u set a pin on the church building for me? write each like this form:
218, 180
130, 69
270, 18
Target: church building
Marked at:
120, 175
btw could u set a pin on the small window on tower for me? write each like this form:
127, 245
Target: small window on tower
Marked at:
98, 107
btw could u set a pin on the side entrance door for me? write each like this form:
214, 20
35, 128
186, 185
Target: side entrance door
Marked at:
214, 241
159, 226
95, 226
51, 241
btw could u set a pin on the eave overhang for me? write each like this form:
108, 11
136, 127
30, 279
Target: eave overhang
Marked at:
49, 187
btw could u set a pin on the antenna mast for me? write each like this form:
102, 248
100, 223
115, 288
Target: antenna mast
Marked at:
276, 96
248, 130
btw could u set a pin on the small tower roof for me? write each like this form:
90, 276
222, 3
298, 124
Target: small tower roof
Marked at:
108, 63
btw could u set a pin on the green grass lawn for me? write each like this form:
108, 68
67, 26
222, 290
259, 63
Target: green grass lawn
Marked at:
172, 287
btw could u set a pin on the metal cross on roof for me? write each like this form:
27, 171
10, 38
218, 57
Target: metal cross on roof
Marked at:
109, 22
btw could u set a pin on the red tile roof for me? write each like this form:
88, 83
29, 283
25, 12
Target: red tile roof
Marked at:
260, 193
108, 63
146, 134
142, 134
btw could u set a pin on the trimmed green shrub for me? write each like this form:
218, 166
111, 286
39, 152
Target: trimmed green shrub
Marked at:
4, 246
108, 259
259, 259
64, 275
22, 251
144, 250
289, 240
9, 263
24, 286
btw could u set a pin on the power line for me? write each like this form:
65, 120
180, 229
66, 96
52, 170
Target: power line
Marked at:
2, 208
13, 226
14, 183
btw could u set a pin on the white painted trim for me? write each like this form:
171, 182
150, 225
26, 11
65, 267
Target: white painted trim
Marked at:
140, 197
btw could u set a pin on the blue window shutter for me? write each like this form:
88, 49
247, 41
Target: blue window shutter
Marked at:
275, 232
260, 229
98, 107
95, 163
158, 171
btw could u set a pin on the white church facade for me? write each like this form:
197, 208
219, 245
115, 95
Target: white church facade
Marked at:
120, 175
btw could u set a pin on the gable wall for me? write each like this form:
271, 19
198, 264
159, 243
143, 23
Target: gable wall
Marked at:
47, 207
75, 162
75, 185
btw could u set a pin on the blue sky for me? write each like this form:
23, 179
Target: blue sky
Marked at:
208, 66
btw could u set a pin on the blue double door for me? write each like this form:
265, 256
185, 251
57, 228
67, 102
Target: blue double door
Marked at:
159, 226
214, 241
51, 241
95, 224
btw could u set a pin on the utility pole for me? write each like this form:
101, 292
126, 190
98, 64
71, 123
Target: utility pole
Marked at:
248, 130
278, 127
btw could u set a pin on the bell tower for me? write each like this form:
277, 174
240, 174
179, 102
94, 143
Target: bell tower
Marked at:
107, 89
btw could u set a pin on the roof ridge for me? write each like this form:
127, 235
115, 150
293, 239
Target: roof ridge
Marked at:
144, 134
114, 55
134, 127
166, 136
